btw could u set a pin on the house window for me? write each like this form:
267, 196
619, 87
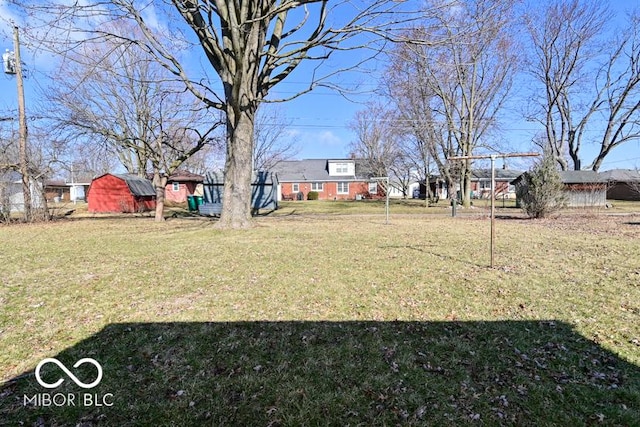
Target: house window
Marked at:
316, 186
295, 188
176, 186
342, 167
485, 185
343, 188
373, 188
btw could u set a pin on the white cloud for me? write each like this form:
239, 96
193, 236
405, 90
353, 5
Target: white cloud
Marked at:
329, 138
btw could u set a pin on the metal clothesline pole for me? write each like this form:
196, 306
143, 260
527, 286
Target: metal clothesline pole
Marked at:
493, 158
384, 179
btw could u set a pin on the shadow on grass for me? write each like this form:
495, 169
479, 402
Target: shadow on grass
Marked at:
433, 250
334, 373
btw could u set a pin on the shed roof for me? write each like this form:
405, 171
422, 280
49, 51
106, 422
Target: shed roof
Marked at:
573, 177
138, 186
185, 176
181, 176
581, 177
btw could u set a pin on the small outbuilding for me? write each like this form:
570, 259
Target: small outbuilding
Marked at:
12, 195
264, 190
582, 189
120, 193
182, 184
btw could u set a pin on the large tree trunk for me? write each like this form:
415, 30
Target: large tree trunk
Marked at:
159, 184
236, 201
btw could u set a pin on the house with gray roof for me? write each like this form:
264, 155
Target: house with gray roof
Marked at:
481, 183
622, 184
331, 179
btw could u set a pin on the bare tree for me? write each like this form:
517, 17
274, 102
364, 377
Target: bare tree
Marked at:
115, 94
273, 143
402, 172
250, 46
425, 138
618, 96
461, 73
379, 146
591, 84
376, 142
89, 159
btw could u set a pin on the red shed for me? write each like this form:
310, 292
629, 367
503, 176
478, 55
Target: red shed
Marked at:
121, 193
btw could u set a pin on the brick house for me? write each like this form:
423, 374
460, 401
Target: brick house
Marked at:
332, 179
481, 183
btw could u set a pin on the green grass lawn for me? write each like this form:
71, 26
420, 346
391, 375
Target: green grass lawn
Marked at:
316, 319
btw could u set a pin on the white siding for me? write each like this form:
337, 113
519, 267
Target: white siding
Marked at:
342, 168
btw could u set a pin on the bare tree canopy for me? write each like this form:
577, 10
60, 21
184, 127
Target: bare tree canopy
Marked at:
115, 95
273, 141
250, 46
452, 82
591, 80
376, 142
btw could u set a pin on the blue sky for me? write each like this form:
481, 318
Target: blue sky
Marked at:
320, 120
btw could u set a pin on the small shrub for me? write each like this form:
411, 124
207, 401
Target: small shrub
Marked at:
540, 191
313, 195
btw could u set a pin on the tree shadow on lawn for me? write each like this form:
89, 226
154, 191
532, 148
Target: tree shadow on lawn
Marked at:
333, 373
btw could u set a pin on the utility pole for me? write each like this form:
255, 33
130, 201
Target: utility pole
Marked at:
493, 158
13, 65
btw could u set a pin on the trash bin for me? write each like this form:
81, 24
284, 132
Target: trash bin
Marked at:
191, 203
199, 201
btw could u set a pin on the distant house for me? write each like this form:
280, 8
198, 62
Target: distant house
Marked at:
57, 191
180, 185
622, 184
583, 189
121, 193
332, 179
12, 195
481, 183
62, 191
